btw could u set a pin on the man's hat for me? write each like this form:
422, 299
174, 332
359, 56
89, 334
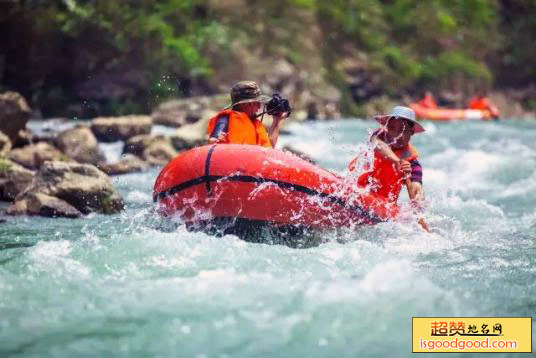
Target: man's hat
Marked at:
246, 91
401, 112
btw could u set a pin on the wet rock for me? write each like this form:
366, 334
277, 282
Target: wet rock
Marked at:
192, 135
180, 112
155, 150
136, 145
43, 205
159, 153
80, 144
14, 114
112, 129
82, 186
5, 144
34, 155
181, 143
13, 179
128, 163
19, 207
25, 137
169, 115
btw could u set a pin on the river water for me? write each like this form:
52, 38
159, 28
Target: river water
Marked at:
120, 286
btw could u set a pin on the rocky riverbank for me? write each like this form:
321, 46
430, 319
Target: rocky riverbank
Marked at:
63, 173
61, 170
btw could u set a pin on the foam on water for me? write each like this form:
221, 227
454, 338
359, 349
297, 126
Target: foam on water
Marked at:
121, 286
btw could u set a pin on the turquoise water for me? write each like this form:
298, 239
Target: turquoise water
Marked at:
120, 286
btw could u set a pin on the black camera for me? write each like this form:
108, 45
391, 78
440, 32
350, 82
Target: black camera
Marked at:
278, 105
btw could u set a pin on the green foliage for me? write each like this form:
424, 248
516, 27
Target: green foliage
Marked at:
397, 67
5, 165
126, 56
412, 44
452, 64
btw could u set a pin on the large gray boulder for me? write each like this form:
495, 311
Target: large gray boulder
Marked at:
80, 144
13, 179
155, 150
192, 135
112, 129
43, 205
81, 186
180, 112
34, 155
128, 163
14, 114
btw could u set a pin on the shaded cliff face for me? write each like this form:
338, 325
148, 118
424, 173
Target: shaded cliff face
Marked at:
96, 58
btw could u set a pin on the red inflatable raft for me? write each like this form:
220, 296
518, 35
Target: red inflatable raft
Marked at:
256, 184
447, 114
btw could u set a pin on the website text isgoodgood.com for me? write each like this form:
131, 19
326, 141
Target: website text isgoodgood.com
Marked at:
467, 344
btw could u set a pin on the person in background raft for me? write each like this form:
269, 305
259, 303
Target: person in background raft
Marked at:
396, 161
480, 101
428, 100
239, 123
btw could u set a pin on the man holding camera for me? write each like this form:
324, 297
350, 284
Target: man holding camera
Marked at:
239, 123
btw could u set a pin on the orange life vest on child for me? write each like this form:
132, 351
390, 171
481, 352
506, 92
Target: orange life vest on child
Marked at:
242, 130
383, 178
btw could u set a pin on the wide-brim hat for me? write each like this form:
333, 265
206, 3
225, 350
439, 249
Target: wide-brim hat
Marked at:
401, 112
246, 92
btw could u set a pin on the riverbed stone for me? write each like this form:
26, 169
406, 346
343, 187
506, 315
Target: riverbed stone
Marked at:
112, 129
14, 178
82, 186
14, 114
45, 205
80, 144
180, 112
159, 153
192, 135
155, 150
128, 163
34, 155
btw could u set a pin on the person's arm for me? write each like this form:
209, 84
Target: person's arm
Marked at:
220, 130
416, 192
273, 133
383, 148
416, 196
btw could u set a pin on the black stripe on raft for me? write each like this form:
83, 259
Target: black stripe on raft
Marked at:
284, 185
207, 168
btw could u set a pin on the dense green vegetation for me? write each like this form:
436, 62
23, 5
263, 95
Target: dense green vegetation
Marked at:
88, 57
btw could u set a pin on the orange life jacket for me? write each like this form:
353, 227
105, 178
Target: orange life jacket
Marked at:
428, 101
383, 178
241, 130
484, 104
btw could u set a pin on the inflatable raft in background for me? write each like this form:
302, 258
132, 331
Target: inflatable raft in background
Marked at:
231, 185
447, 114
